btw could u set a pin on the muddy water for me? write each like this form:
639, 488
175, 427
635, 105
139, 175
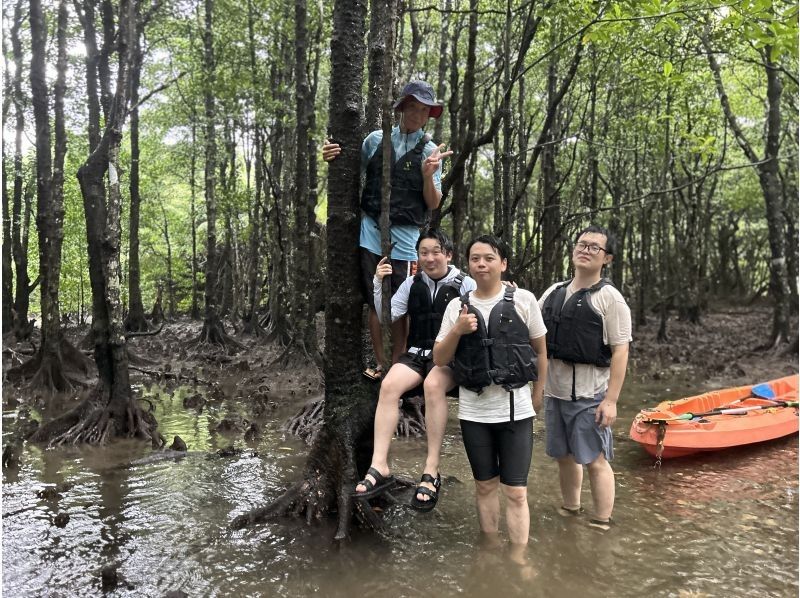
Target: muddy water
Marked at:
718, 525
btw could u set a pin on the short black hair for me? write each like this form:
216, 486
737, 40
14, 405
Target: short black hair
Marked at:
437, 234
611, 240
495, 242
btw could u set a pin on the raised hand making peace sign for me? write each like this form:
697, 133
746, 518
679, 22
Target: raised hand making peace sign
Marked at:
432, 162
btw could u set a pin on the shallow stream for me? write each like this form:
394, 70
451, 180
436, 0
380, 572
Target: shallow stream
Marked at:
724, 524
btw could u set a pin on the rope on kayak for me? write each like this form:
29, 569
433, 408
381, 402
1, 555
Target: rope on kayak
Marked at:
660, 435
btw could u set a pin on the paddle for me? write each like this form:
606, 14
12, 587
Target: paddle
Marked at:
763, 391
735, 411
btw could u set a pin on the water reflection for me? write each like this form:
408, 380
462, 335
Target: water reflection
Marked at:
723, 524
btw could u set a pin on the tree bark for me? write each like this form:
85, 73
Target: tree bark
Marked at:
21, 200
47, 368
135, 321
330, 472
213, 331
768, 180
302, 318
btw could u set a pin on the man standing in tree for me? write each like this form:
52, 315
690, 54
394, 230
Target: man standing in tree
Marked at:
588, 333
416, 188
423, 297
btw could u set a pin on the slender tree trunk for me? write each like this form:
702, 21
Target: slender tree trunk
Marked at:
302, 319
8, 275
195, 309
19, 245
277, 320
92, 62
768, 179
213, 332
170, 277
551, 197
251, 323
135, 321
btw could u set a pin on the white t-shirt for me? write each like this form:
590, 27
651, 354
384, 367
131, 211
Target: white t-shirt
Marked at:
492, 404
590, 379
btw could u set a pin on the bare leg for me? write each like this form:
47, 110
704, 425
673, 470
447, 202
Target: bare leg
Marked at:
398, 380
518, 516
374, 324
487, 501
437, 383
570, 475
601, 480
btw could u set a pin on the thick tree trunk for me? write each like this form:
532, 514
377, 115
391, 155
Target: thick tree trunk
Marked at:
331, 471
111, 410
47, 367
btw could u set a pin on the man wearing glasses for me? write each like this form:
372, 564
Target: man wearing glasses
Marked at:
588, 333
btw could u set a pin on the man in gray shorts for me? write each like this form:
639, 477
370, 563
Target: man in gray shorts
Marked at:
588, 334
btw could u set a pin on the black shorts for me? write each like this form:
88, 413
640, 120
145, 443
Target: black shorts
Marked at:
502, 449
421, 365
401, 270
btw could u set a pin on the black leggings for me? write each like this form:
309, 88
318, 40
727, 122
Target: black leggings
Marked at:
502, 449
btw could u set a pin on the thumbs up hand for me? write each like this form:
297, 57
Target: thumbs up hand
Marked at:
467, 323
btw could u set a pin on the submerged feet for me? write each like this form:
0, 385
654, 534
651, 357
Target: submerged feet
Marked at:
569, 511
602, 525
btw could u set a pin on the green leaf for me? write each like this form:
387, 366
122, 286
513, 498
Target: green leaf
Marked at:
667, 69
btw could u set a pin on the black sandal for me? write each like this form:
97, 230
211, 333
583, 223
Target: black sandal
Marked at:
381, 484
375, 374
433, 495
567, 512
601, 525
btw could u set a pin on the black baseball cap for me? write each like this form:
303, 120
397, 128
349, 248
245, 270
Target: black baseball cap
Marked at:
423, 93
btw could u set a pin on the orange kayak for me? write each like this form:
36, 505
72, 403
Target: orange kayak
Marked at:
719, 419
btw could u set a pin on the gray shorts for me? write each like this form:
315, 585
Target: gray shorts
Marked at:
571, 430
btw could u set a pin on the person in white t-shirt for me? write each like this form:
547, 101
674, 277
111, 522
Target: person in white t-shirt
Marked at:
588, 334
495, 339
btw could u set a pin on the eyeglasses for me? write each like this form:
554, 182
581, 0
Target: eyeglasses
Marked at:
580, 247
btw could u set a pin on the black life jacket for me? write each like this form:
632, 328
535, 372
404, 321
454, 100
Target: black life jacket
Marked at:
574, 328
426, 314
407, 204
499, 353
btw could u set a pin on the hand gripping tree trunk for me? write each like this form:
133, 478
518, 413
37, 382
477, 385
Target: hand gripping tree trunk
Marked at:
110, 411
331, 473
